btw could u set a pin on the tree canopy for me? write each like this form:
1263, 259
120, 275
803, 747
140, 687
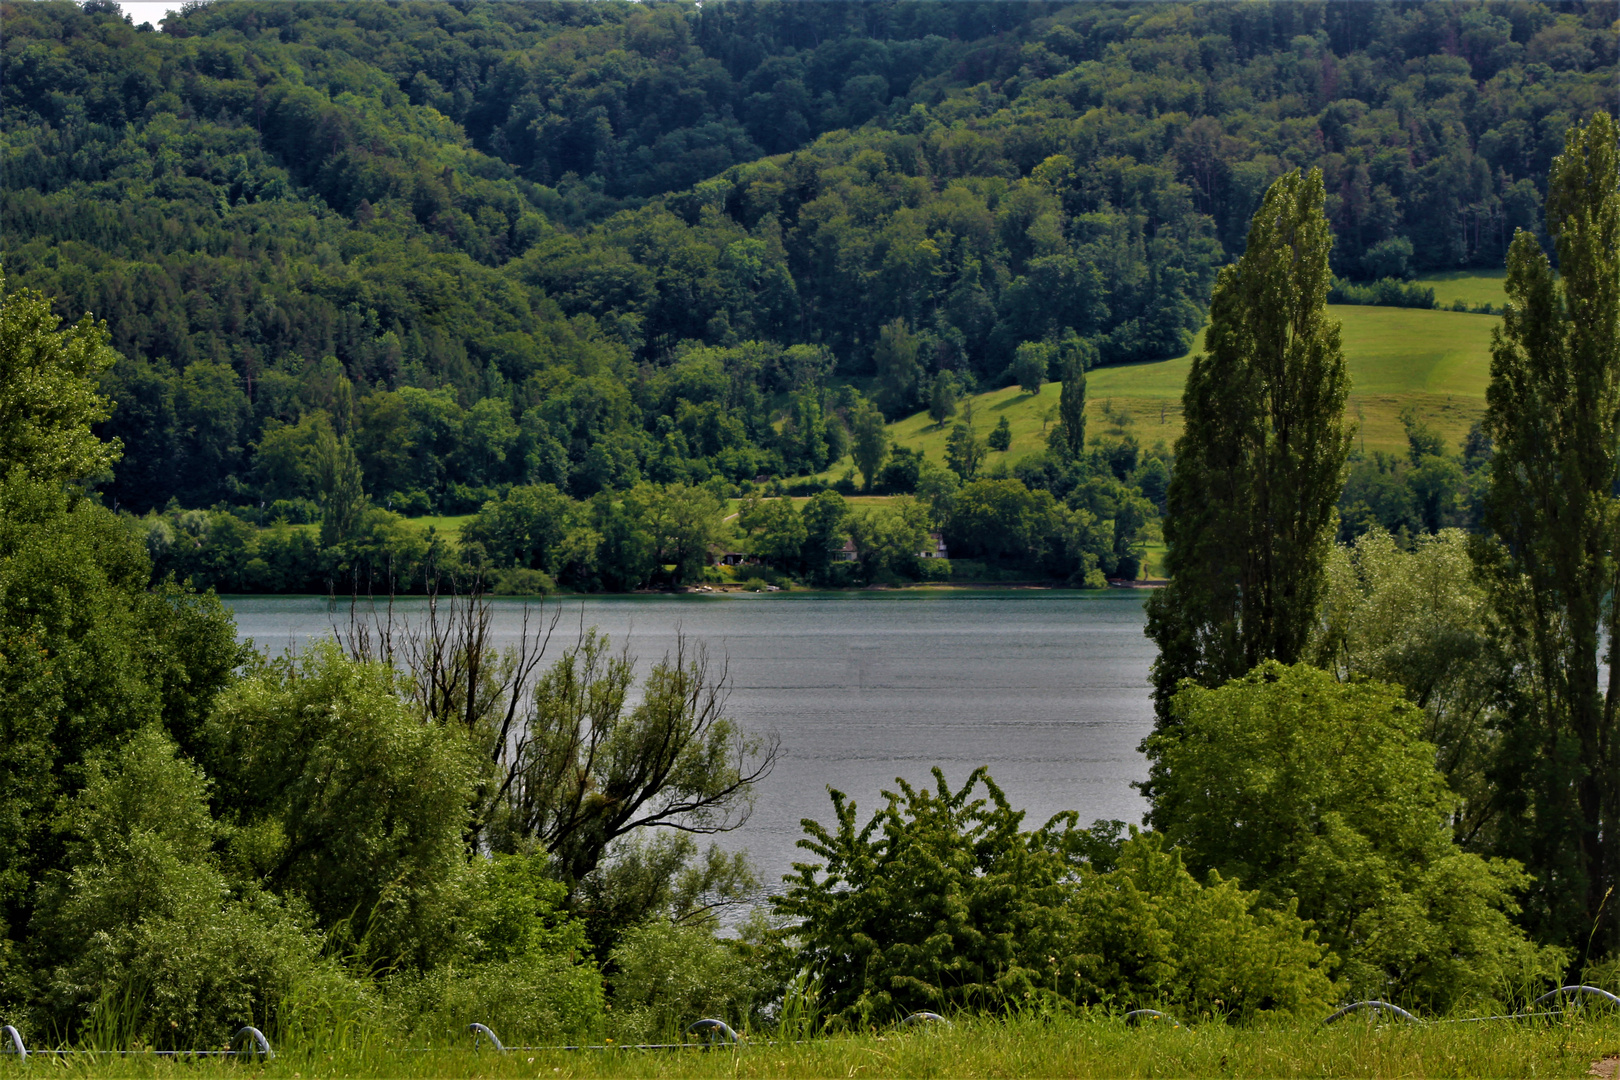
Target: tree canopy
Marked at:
592, 215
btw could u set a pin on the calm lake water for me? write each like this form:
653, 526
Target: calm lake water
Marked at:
1049, 689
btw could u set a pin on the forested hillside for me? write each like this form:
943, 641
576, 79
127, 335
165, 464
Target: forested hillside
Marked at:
475, 245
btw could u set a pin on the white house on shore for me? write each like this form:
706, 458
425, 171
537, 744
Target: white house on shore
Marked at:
936, 549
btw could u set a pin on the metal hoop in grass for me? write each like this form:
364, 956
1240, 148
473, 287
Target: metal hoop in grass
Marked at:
261, 1045
1375, 1006
479, 1031
16, 1043
1136, 1017
1579, 991
714, 1032
925, 1017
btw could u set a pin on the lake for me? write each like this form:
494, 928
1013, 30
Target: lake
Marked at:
1047, 688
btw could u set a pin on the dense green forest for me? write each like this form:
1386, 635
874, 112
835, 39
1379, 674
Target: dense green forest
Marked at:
471, 246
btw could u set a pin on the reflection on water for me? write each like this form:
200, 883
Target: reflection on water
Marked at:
1049, 689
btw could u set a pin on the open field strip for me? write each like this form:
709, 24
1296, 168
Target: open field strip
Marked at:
1057, 1048
1469, 286
1435, 362
446, 526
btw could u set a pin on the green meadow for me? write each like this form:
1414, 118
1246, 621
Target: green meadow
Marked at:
1469, 286
448, 527
1436, 363
1019, 1047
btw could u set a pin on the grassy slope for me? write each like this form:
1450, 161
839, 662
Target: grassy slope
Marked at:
448, 527
1469, 286
1061, 1047
1436, 362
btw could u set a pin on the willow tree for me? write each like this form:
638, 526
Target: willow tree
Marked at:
1553, 412
1259, 465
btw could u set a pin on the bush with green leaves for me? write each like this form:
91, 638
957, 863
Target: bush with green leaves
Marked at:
1150, 934
90, 652
668, 974
1324, 797
943, 901
652, 909
1418, 619
146, 937
344, 796
525, 970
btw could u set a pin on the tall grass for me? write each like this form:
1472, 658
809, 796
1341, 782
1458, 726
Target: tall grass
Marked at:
1080, 1046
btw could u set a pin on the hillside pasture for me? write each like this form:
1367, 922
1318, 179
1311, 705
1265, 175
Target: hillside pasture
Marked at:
447, 527
1470, 286
1436, 363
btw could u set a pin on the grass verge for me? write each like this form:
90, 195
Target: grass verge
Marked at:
1058, 1048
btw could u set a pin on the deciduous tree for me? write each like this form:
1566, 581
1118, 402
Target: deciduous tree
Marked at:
825, 519
48, 394
870, 441
1030, 364
1261, 460
592, 763
1325, 794
1001, 435
1553, 411
965, 447
898, 372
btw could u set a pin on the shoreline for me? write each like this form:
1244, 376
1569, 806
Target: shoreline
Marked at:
921, 586
734, 588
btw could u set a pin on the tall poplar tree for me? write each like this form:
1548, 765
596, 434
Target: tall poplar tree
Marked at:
1072, 402
1553, 412
1259, 465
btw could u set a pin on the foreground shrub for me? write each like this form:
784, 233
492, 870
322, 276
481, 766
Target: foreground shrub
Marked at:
526, 1000
943, 902
1325, 795
525, 969
346, 799
669, 974
152, 942
1149, 934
